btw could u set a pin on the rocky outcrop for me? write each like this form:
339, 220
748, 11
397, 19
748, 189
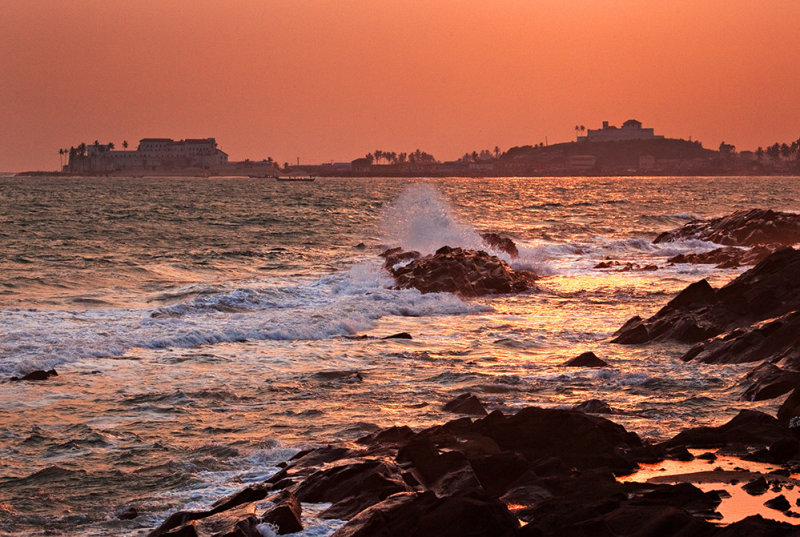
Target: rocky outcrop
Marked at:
748, 428
587, 359
727, 257
542, 472
699, 312
500, 243
466, 403
37, 375
455, 270
742, 228
776, 340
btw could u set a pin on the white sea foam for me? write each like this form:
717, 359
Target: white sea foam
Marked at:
336, 305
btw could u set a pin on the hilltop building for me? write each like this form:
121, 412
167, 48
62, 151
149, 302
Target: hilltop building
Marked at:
630, 130
153, 154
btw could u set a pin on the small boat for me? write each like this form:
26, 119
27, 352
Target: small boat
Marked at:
297, 179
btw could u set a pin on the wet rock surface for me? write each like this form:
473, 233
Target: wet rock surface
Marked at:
742, 228
538, 472
500, 243
34, 376
587, 359
455, 270
699, 312
727, 257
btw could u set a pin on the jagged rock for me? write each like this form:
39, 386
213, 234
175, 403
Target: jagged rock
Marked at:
285, 515
466, 403
580, 439
625, 267
399, 335
768, 381
594, 406
779, 503
37, 375
748, 427
770, 289
587, 359
789, 410
503, 244
757, 526
727, 257
128, 514
424, 515
351, 487
464, 272
756, 487
742, 228
393, 256
776, 340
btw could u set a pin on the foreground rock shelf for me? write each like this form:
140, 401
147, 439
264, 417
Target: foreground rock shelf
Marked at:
539, 472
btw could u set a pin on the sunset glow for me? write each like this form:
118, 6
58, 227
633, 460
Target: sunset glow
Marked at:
327, 81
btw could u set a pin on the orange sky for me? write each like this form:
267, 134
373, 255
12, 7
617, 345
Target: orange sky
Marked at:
333, 80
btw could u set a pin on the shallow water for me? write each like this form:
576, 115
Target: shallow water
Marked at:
200, 326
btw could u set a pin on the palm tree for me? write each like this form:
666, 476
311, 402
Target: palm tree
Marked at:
496, 152
110, 146
124, 144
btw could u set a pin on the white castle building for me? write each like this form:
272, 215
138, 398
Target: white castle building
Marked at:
152, 154
630, 130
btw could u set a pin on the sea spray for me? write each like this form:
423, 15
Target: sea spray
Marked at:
422, 220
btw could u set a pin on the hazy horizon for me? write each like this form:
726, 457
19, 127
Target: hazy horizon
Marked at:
327, 81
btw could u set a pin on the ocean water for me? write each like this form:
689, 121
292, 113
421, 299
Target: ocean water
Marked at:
204, 330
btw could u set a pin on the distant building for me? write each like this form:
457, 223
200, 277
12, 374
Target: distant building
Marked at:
630, 130
581, 163
153, 154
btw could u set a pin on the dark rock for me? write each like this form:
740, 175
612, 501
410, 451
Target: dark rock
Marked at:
351, 487
749, 427
237, 522
756, 487
393, 256
399, 335
679, 453
779, 503
503, 244
466, 403
757, 526
776, 340
392, 436
587, 359
789, 410
579, 439
285, 515
633, 332
37, 375
128, 514
470, 513
464, 272
428, 462
768, 290
594, 406
769, 381
728, 257
742, 228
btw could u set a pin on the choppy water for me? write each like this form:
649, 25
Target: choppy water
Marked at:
200, 326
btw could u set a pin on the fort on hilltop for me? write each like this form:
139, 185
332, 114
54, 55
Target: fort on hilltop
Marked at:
630, 130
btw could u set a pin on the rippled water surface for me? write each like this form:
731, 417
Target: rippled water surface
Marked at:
203, 329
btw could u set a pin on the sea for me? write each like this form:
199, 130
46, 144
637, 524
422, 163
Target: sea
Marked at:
206, 329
